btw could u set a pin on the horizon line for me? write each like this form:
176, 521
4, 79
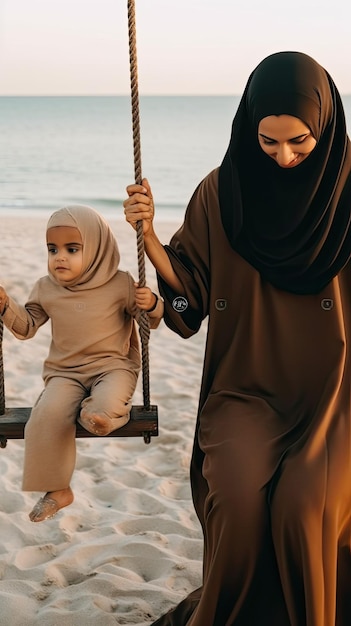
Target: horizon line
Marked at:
126, 95
112, 95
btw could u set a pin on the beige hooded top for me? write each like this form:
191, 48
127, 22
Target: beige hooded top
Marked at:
92, 318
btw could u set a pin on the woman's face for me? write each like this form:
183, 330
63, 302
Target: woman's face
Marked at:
286, 139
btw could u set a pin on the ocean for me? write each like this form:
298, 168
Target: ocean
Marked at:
79, 149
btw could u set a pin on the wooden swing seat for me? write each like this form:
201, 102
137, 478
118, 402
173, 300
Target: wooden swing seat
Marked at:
143, 423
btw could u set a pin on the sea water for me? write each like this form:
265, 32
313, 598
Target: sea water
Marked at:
79, 149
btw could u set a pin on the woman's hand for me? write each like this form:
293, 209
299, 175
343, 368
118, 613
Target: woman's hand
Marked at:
140, 206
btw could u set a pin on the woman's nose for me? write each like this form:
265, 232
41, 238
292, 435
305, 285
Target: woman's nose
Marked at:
284, 155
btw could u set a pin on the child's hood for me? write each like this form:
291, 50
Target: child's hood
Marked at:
100, 249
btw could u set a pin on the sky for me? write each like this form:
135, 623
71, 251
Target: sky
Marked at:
81, 47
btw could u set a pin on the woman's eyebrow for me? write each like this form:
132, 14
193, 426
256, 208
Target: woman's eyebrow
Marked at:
292, 138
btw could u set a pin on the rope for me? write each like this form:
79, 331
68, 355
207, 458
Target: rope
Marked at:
144, 327
2, 387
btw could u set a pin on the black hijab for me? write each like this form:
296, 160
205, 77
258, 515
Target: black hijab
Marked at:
293, 225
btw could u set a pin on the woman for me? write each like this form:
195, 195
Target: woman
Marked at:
264, 252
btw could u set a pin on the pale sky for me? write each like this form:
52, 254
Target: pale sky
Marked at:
50, 47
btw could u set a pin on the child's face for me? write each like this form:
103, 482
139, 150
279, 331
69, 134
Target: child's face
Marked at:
65, 249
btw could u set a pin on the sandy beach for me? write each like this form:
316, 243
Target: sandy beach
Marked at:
130, 545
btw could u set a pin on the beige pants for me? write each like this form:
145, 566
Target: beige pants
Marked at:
50, 443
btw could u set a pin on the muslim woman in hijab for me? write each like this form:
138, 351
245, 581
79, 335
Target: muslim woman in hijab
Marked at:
93, 362
264, 253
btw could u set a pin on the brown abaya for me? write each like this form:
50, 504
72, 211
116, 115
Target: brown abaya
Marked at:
271, 465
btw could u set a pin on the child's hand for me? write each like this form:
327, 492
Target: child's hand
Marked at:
144, 298
3, 299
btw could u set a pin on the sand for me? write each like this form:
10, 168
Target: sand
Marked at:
130, 546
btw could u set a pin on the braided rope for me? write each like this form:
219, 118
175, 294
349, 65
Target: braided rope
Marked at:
2, 387
144, 327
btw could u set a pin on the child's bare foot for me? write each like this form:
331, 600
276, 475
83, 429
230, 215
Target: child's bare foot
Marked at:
101, 425
50, 504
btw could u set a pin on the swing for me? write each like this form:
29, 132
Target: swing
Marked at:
143, 419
